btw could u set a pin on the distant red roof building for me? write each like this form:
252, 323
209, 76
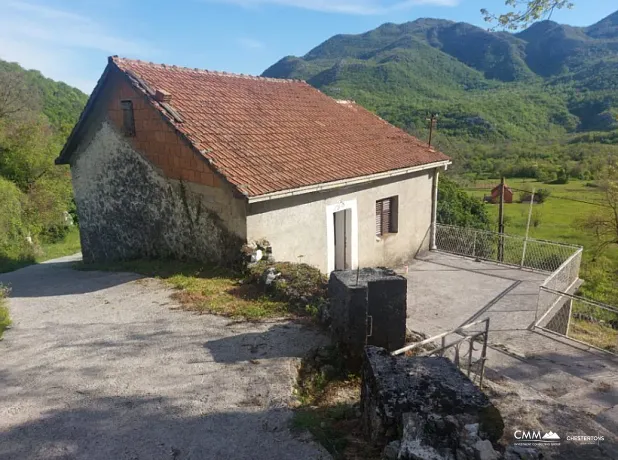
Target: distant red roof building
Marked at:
495, 194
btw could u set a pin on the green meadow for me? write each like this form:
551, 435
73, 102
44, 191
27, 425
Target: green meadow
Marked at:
562, 218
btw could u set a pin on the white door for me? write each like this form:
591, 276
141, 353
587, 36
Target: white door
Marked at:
342, 227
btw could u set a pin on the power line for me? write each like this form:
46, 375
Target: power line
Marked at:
565, 198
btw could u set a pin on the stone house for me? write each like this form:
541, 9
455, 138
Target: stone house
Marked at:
176, 162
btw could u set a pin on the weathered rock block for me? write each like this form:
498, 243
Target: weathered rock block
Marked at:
428, 399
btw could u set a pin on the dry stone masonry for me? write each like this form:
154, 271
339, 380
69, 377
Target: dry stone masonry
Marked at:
425, 408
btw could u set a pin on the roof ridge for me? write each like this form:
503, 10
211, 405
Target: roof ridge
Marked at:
119, 60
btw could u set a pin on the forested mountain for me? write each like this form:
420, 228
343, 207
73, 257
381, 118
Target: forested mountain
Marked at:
36, 115
552, 84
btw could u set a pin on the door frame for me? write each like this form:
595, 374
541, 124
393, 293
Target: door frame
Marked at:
330, 231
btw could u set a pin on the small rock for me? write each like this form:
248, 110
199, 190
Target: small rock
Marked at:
414, 450
322, 353
329, 371
391, 451
472, 430
257, 256
521, 453
485, 451
269, 276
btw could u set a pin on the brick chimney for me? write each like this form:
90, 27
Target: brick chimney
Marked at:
163, 96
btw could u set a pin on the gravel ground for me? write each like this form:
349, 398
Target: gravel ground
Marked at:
102, 366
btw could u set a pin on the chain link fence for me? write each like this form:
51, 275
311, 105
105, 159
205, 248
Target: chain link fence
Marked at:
506, 249
586, 321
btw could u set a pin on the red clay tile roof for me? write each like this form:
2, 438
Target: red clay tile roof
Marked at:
266, 135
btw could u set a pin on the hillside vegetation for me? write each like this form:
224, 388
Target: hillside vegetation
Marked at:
523, 104
36, 115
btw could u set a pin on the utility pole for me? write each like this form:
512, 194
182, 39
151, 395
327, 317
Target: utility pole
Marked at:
501, 223
433, 121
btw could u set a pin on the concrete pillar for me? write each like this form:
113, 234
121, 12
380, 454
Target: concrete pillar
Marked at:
434, 210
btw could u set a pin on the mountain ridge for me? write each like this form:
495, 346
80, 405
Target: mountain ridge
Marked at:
458, 69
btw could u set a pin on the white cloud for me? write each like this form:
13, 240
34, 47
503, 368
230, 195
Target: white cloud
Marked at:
58, 42
250, 43
361, 7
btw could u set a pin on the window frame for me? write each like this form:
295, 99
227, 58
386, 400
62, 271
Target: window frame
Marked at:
389, 226
128, 117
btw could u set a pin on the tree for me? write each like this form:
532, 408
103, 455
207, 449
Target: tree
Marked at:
604, 222
456, 207
526, 12
14, 95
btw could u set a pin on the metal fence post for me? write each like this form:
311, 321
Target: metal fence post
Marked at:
474, 245
484, 353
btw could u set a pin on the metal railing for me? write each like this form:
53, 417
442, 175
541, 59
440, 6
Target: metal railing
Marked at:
471, 359
530, 253
562, 280
588, 322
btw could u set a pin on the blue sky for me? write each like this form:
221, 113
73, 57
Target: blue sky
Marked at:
69, 40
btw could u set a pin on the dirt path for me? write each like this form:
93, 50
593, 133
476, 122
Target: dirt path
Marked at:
101, 366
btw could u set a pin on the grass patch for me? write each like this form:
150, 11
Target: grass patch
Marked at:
329, 409
29, 255
5, 320
69, 245
9, 262
596, 334
211, 289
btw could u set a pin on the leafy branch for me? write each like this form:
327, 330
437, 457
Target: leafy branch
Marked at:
526, 12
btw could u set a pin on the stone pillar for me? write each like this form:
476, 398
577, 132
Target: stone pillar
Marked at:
367, 306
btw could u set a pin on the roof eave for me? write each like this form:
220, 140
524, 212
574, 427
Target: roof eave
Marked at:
346, 182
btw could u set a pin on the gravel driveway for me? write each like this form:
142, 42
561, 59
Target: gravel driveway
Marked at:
101, 366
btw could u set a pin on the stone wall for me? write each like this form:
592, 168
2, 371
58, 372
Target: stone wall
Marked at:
127, 209
427, 407
149, 195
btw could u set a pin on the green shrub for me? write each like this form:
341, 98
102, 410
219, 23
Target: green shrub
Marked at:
15, 250
5, 320
542, 194
456, 207
55, 233
11, 224
299, 284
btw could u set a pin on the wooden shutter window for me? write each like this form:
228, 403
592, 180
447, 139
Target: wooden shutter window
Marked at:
128, 118
386, 216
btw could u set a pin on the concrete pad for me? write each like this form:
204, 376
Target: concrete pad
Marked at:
440, 298
446, 291
594, 399
609, 419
